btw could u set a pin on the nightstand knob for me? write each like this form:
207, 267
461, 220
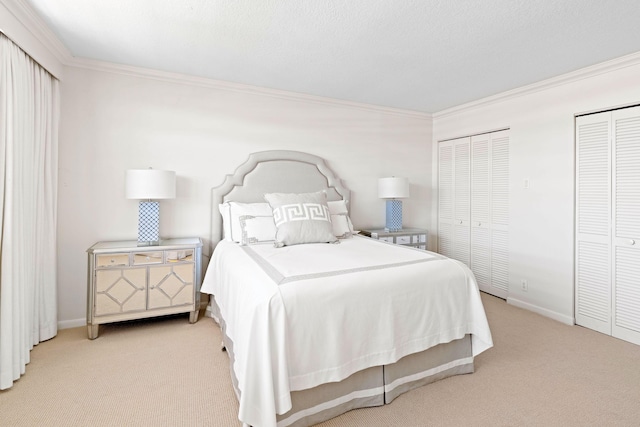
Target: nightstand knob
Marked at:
460, 221
147, 258
112, 261
632, 242
479, 224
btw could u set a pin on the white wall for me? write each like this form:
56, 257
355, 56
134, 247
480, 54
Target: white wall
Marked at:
542, 150
112, 122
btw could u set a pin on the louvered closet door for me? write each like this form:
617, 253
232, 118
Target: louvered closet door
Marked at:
626, 224
500, 213
593, 222
461, 204
481, 210
445, 198
490, 212
453, 199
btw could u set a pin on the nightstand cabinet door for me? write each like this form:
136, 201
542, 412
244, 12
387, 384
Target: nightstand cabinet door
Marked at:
120, 290
171, 285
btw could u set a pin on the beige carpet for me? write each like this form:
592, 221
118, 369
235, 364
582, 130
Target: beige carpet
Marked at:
166, 372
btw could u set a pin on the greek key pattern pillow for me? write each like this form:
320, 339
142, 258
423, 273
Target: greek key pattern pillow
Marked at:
301, 212
301, 218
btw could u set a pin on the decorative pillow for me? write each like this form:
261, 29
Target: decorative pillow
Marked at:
301, 218
342, 226
257, 229
231, 213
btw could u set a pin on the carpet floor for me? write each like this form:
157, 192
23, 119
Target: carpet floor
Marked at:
167, 372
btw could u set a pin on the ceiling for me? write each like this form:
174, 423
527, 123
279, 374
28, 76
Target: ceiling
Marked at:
420, 55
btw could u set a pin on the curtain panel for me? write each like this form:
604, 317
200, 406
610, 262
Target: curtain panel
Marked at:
29, 115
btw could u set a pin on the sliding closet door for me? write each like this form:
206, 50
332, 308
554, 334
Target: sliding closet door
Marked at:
453, 199
490, 212
593, 222
626, 224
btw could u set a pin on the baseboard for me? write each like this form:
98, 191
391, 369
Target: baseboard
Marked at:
567, 320
75, 323
207, 312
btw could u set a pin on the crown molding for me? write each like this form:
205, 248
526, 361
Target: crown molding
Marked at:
35, 25
574, 76
170, 77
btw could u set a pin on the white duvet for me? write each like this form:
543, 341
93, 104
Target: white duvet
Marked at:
304, 315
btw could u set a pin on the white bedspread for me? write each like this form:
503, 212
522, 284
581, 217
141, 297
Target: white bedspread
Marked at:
303, 315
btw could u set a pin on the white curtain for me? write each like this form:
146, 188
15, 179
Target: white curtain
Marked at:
29, 113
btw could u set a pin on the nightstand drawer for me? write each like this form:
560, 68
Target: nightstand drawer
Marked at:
403, 240
180, 256
112, 260
419, 238
144, 258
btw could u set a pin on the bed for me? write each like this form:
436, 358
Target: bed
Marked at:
314, 330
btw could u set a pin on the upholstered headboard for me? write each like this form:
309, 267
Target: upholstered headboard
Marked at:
277, 171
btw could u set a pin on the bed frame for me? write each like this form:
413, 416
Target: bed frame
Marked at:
297, 172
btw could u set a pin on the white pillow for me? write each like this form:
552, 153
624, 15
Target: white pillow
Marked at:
340, 221
338, 207
231, 213
257, 229
342, 227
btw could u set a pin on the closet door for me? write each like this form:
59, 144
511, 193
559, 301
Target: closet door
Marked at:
490, 212
445, 198
481, 210
453, 199
462, 202
593, 222
626, 224
500, 214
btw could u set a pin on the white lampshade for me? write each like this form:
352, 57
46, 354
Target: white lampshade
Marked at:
393, 188
150, 184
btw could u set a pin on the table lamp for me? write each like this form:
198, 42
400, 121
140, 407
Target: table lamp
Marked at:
392, 189
148, 184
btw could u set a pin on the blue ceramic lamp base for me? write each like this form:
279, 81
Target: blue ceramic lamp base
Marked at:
394, 215
149, 224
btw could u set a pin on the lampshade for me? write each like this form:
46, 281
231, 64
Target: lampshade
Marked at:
393, 188
150, 184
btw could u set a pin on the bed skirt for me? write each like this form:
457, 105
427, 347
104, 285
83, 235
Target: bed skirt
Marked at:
373, 386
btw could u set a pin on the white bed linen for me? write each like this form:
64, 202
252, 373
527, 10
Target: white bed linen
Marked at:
318, 313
